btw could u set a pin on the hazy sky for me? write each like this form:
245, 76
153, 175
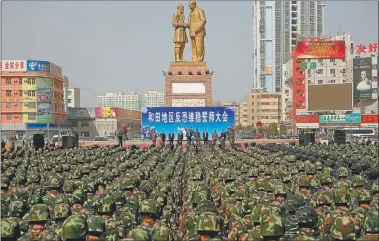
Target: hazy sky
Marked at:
124, 46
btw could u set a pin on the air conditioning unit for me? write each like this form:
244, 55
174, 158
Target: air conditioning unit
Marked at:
322, 63
343, 74
309, 75
25, 92
26, 104
334, 63
15, 92
334, 75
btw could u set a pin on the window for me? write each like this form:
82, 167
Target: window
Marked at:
320, 81
9, 117
85, 124
320, 71
332, 60
32, 105
8, 105
8, 93
8, 81
31, 93
20, 81
20, 93
333, 71
320, 60
374, 66
31, 116
332, 81
69, 101
69, 92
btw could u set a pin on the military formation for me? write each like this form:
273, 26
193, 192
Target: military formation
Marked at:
258, 193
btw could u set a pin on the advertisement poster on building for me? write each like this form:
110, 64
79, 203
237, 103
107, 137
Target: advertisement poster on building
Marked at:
353, 118
13, 65
183, 118
44, 113
362, 78
44, 95
37, 66
82, 112
44, 82
321, 49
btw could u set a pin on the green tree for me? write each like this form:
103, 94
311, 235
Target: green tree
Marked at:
283, 129
272, 130
238, 127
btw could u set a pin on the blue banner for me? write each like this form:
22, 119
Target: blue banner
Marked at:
183, 118
353, 118
37, 66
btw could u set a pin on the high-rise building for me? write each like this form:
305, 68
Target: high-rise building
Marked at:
154, 98
260, 106
73, 97
276, 27
132, 101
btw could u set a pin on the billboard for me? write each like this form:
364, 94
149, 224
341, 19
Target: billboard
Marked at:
13, 65
353, 118
188, 88
188, 102
321, 49
330, 97
37, 66
362, 78
44, 95
44, 113
182, 118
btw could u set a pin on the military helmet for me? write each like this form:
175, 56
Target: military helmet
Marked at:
358, 181
95, 224
344, 228
240, 193
271, 226
127, 184
306, 215
149, 206
325, 178
39, 212
34, 199
259, 211
325, 197
78, 196
74, 227
341, 195
342, 172
106, 205
5, 182
304, 181
9, 228
61, 211
280, 189
205, 206
208, 221
16, 209
68, 186
198, 197
55, 182
371, 222
138, 233
364, 196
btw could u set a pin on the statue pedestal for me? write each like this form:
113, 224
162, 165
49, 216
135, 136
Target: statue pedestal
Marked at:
188, 84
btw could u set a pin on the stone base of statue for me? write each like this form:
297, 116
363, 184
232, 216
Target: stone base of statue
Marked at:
188, 84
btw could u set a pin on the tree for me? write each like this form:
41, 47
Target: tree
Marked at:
238, 127
283, 129
272, 130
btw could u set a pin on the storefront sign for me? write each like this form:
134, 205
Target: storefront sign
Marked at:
307, 119
374, 119
372, 48
340, 119
13, 65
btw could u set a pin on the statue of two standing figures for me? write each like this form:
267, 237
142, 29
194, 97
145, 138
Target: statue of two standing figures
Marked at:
196, 26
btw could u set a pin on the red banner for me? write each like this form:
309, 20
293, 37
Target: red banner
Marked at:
307, 119
372, 119
323, 49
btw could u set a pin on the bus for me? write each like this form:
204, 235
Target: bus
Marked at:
361, 132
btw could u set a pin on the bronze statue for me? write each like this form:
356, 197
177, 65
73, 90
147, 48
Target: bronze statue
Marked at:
180, 35
196, 25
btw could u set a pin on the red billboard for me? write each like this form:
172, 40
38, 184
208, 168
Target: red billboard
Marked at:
307, 119
321, 49
370, 119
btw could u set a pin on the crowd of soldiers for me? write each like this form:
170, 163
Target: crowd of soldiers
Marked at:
268, 193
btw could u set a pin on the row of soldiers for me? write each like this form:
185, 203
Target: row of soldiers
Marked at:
272, 192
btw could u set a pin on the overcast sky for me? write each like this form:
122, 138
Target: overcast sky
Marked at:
124, 46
